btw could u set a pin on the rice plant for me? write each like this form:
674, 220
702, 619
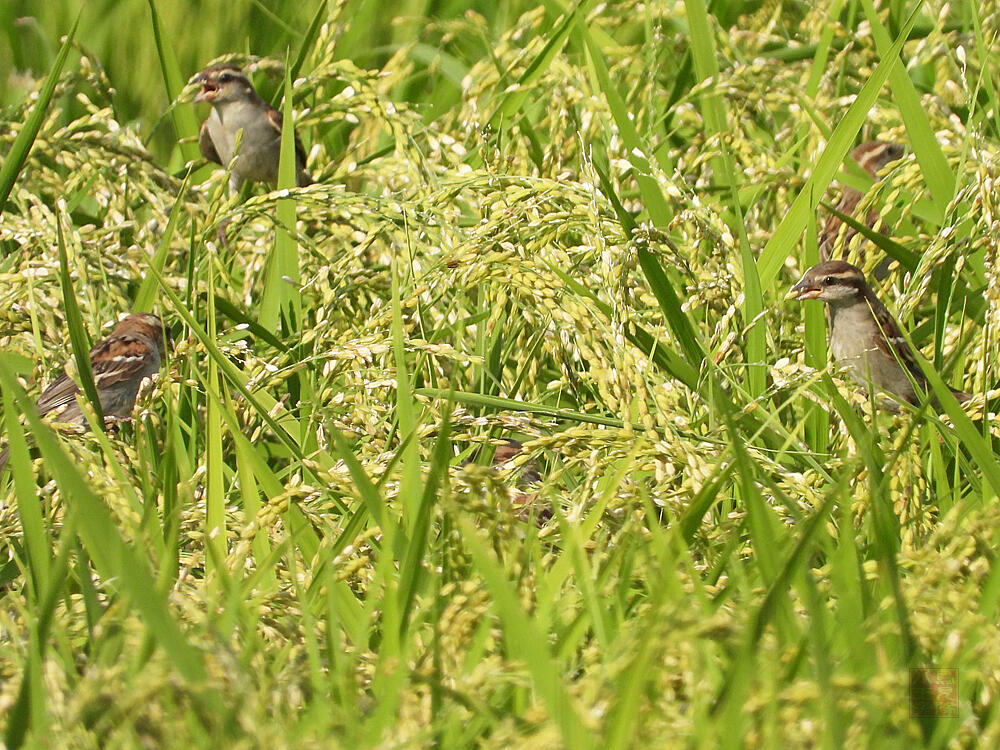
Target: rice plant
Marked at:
570, 225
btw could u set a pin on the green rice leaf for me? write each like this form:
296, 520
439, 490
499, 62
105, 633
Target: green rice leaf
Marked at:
77, 333
14, 160
182, 114
803, 208
526, 644
114, 558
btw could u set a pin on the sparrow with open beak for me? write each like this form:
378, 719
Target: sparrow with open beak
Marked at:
236, 106
865, 340
132, 353
872, 156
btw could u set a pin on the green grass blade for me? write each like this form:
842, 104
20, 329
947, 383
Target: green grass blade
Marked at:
935, 168
370, 496
817, 422
970, 438
281, 301
182, 114
308, 41
28, 710
821, 56
907, 258
248, 468
409, 489
803, 208
215, 493
777, 591
884, 523
714, 115
113, 556
653, 198
511, 103
19, 150
526, 644
661, 286
671, 362
146, 296
412, 567
77, 333
261, 401
596, 608
28, 509
497, 402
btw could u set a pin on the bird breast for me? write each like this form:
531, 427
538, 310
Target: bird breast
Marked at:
853, 330
852, 342
259, 146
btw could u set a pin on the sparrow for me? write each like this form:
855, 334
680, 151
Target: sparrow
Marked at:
119, 364
510, 449
525, 502
872, 156
236, 106
864, 338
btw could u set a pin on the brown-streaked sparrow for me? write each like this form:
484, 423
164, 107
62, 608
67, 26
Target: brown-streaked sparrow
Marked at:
236, 106
510, 449
864, 338
119, 363
525, 502
525, 474
872, 157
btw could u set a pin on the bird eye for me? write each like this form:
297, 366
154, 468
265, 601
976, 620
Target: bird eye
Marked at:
829, 281
226, 78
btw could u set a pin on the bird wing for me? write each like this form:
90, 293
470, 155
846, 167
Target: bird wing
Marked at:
61, 392
902, 351
846, 205
206, 145
892, 343
275, 120
116, 359
125, 357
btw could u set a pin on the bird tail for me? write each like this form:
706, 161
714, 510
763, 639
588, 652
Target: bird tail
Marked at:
303, 178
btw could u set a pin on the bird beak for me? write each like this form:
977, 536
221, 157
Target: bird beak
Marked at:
804, 290
208, 91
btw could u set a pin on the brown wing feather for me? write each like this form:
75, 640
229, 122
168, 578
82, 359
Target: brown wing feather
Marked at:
206, 145
125, 357
848, 202
61, 392
906, 356
892, 343
275, 120
116, 359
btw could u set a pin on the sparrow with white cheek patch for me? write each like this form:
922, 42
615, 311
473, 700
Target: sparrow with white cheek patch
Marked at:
236, 106
864, 338
120, 363
872, 157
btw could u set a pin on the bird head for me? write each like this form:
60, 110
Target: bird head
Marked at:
834, 281
223, 83
147, 325
874, 155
